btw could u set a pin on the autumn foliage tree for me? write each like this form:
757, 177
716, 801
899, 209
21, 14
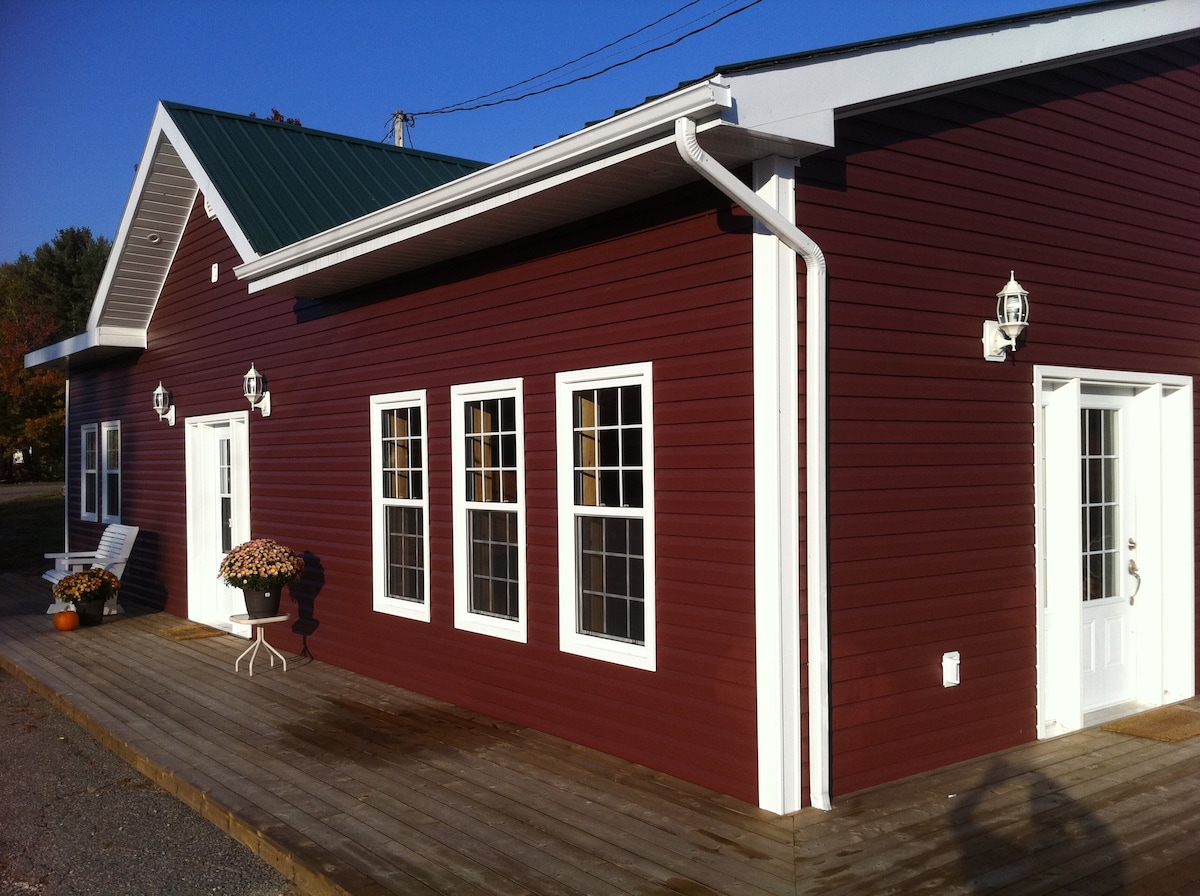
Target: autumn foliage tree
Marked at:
44, 298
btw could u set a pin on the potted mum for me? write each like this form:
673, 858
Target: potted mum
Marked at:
88, 590
261, 568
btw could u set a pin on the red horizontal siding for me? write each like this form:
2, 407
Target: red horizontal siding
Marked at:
660, 283
1073, 178
1087, 187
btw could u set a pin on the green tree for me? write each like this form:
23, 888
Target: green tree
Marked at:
43, 299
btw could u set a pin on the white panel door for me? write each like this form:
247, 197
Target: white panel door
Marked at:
218, 502
1108, 667
1116, 575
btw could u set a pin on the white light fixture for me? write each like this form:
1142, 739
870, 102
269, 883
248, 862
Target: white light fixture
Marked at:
163, 406
254, 386
1012, 316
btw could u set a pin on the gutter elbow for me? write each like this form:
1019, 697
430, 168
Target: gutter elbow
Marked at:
724, 180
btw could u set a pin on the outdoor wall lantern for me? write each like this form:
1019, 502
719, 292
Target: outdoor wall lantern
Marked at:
254, 386
163, 406
1012, 316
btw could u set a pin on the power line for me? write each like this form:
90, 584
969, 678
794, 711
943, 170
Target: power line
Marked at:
557, 68
461, 107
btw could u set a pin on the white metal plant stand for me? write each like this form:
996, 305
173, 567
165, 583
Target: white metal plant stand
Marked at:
259, 640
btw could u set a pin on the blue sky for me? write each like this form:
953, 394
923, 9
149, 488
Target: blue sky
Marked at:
79, 80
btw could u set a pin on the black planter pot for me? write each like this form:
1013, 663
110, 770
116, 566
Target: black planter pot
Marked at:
90, 612
261, 604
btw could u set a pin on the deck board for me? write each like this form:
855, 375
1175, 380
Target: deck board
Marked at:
348, 785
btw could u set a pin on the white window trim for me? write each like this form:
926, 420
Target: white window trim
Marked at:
94, 430
382, 602
571, 640
105, 471
510, 629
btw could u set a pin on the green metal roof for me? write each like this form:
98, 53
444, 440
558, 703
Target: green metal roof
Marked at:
284, 182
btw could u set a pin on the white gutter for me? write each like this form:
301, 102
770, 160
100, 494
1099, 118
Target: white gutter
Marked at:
502, 182
779, 595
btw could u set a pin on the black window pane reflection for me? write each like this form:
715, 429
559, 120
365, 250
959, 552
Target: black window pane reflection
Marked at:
611, 579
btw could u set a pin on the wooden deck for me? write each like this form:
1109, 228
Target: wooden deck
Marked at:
351, 786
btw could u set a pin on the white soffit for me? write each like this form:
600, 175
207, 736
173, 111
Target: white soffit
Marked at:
160, 202
93, 345
791, 98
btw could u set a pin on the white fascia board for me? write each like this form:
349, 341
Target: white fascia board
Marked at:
216, 201
800, 100
631, 133
58, 350
100, 337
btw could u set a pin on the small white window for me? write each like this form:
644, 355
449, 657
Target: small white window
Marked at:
111, 461
606, 514
89, 476
487, 454
400, 505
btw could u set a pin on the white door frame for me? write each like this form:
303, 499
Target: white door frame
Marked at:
210, 600
1162, 441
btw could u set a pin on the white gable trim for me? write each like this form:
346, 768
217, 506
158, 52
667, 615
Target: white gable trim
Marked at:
215, 204
167, 215
144, 248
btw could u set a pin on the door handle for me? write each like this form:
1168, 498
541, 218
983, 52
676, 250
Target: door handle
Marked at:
1133, 571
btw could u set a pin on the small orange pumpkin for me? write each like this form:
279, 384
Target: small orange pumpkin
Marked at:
66, 620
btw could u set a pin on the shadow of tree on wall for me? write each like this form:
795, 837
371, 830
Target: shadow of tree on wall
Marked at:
1019, 826
304, 592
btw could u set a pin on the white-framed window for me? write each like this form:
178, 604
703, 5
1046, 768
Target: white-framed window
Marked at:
488, 462
100, 472
89, 472
400, 504
110, 444
605, 430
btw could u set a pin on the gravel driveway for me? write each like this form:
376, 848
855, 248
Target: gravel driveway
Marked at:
75, 820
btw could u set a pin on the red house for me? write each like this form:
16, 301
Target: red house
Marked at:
676, 436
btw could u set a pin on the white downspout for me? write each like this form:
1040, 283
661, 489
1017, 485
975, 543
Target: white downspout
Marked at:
67, 458
815, 440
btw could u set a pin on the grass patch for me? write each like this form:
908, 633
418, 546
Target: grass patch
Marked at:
29, 528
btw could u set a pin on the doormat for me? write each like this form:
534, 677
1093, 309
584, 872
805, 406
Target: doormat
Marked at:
1170, 723
189, 631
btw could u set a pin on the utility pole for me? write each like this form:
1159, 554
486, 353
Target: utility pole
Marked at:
398, 127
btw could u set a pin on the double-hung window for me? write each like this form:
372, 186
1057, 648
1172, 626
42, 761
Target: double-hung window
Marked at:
487, 454
606, 514
110, 439
100, 472
89, 477
400, 505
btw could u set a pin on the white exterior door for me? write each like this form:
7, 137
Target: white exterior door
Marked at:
218, 512
1111, 578
1115, 491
